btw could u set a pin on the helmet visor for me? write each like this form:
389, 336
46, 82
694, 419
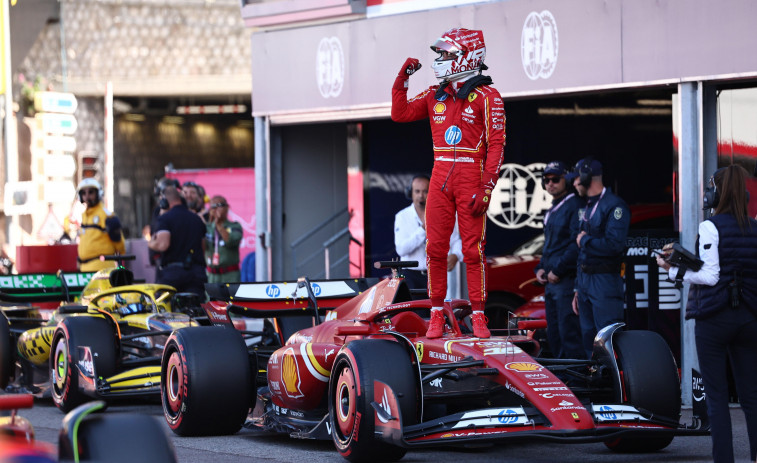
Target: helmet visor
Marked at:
444, 44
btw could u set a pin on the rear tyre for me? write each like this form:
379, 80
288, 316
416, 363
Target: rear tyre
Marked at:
351, 390
6, 352
206, 381
650, 381
72, 333
122, 438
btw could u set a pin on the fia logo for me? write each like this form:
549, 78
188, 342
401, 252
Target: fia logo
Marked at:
330, 67
519, 200
539, 45
272, 291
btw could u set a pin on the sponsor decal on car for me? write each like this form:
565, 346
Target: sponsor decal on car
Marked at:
603, 412
551, 388
419, 350
536, 376
85, 363
523, 367
493, 416
290, 374
514, 389
443, 356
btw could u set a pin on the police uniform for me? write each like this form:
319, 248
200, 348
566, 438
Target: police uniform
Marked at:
599, 283
97, 226
559, 257
182, 264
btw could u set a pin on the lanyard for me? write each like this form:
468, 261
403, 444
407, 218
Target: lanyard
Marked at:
594, 209
555, 208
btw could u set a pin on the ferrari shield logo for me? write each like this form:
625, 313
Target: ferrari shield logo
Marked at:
471, 96
419, 350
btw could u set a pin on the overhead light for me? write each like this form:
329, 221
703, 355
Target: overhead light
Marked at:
173, 119
134, 117
608, 111
650, 102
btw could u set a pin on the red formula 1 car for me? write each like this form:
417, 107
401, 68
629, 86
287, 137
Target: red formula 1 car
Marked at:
366, 376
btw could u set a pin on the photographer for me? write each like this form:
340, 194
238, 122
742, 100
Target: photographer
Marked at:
723, 301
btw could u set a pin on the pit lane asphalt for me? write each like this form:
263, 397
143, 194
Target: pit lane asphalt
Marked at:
254, 445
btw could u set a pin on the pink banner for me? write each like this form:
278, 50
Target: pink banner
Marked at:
237, 185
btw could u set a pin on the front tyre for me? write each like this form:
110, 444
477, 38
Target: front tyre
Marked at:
72, 333
206, 381
357, 370
650, 381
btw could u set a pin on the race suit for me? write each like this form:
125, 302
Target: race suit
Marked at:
95, 238
468, 132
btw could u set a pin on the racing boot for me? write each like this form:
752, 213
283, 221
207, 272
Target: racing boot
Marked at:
436, 325
479, 321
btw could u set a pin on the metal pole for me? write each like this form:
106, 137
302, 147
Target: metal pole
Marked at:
10, 146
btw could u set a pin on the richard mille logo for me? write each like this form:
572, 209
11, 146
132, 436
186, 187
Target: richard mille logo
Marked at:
330, 67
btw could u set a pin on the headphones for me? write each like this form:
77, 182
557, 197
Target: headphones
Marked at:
584, 171
711, 197
409, 188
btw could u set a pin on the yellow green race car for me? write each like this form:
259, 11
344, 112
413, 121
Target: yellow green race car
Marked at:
107, 345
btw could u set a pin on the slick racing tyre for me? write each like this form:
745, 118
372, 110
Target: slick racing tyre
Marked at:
358, 369
121, 438
71, 334
650, 381
6, 352
206, 381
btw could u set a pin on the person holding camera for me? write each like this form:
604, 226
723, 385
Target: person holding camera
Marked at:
222, 239
178, 236
723, 301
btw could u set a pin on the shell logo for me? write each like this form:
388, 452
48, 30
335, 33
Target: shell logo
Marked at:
439, 108
524, 366
290, 374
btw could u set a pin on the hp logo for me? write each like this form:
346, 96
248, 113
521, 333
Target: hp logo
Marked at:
453, 135
508, 416
607, 412
316, 289
272, 291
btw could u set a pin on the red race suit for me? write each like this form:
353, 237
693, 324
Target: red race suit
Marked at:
468, 131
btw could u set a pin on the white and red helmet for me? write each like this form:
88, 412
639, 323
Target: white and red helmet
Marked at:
469, 50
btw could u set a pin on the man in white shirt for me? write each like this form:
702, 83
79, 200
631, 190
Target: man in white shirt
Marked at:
410, 235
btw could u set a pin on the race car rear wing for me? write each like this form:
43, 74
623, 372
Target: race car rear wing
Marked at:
284, 297
43, 287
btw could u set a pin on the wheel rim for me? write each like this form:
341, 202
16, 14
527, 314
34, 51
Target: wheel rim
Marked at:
345, 402
174, 382
60, 370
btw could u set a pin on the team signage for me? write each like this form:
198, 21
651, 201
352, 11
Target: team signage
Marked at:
55, 102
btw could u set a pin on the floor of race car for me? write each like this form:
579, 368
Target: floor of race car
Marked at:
257, 445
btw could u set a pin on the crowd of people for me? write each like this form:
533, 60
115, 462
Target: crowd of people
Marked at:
189, 244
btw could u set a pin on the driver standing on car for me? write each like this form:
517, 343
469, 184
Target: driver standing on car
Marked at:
557, 267
100, 233
467, 119
603, 227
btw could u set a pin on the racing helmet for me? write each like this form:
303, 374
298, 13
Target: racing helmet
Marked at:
469, 52
89, 183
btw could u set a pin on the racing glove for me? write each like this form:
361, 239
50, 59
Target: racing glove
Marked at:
411, 65
480, 201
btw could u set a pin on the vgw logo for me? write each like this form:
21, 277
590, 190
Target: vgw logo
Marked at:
272, 291
518, 199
